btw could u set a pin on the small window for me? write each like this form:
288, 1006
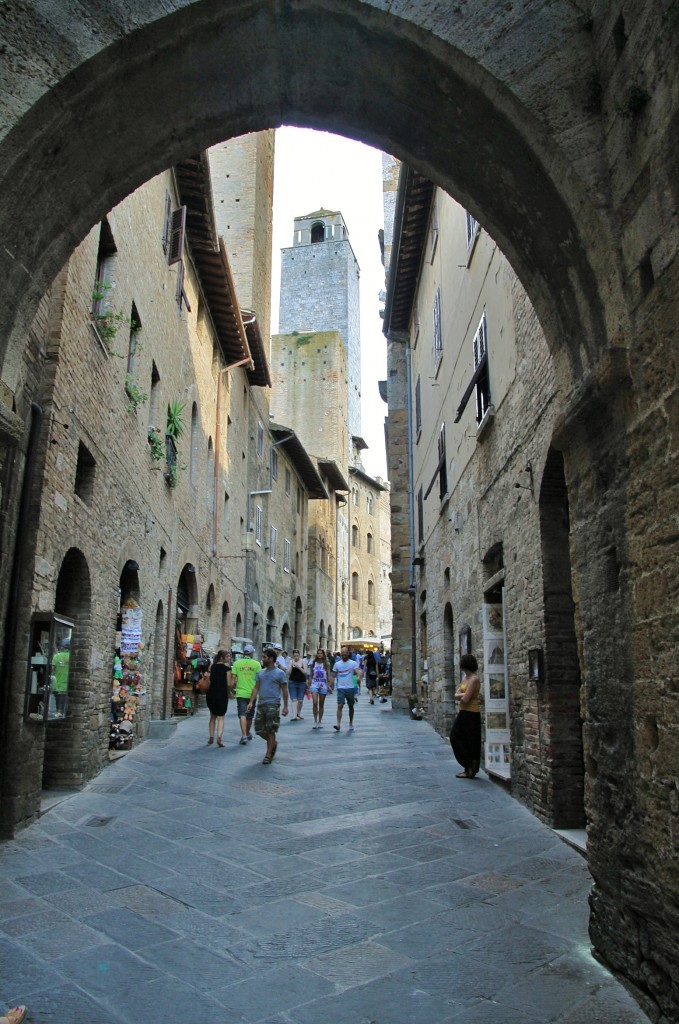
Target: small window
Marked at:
225, 519
288, 481
481, 368
354, 496
299, 500
416, 326
167, 223
154, 397
286, 556
420, 516
134, 346
371, 592
443, 468
105, 258
273, 543
369, 504
472, 228
317, 232
84, 475
258, 524
369, 543
433, 233
274, 464
260, 439
354, 536
418, 408
438, 331
175, 244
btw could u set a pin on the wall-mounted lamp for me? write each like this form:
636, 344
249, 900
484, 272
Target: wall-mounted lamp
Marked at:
528, 469
536, 672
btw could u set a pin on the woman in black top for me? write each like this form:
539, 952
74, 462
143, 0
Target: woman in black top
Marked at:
217, 697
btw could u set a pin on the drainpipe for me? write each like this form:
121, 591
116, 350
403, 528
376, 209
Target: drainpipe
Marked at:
215, 482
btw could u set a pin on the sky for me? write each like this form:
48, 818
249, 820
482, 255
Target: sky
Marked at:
314, 170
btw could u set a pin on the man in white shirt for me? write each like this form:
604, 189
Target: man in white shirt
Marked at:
343, 679
281, 660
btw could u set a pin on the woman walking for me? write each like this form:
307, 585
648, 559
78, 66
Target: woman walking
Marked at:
465, 736
319, 678
217, 697
297, 684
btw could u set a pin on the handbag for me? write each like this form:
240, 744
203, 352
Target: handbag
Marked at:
203, 684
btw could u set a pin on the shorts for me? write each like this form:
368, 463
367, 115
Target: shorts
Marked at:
268, 719
297, 691
371, 682
321, 688
346, 695
243, 712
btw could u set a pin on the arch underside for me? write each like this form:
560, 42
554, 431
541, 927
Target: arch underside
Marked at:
206, 73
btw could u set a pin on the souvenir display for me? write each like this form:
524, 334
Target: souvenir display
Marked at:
128, 685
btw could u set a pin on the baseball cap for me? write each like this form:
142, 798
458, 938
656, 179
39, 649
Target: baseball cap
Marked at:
248, 649
277, 647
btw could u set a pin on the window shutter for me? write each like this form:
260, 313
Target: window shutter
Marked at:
177, 232
167, 222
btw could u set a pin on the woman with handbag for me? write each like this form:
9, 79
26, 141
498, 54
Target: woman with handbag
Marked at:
217, 696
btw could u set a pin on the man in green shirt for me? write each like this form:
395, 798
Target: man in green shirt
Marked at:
244, 671
60, 669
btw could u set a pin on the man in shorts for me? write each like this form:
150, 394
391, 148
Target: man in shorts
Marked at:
270, 683
343, 679
244, 670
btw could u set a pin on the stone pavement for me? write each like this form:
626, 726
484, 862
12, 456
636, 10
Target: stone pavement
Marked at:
355, 880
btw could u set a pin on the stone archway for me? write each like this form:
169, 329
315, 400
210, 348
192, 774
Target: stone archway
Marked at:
534, 118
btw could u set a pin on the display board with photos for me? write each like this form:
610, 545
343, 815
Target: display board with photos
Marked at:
496, 689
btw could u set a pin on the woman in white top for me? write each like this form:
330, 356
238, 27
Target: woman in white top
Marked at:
319, 680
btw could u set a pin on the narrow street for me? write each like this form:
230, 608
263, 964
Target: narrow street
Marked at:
355, 880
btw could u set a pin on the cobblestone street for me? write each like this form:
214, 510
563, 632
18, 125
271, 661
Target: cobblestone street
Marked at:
355, 880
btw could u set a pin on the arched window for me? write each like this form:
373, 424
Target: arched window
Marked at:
369, 543
354, 586
371, 592
354, 536
318, 232
210, 491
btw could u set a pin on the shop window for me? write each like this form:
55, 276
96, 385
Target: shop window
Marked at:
49, 659
84, 475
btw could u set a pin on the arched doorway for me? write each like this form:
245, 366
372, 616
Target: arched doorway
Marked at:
68, 735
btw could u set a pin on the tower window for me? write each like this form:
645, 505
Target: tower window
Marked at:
317, 232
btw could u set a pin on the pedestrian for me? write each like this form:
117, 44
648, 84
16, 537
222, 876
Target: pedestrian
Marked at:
14, 1016
343, 679
244, 670
297, 685
269, 686
281, 659
465, 736
320, 686
371, 675
217, 697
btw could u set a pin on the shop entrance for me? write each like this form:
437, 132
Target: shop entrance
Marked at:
129, 705
189, 658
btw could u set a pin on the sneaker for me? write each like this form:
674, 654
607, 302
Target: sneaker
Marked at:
243, 741
336, 728
249, 737
351, 728
315, 725
319, 726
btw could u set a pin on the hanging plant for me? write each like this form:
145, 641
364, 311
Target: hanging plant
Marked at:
134, 393
175, 423
156, 445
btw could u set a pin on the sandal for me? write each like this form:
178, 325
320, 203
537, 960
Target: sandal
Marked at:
267, 760
15, 1015
210, 740
219, 743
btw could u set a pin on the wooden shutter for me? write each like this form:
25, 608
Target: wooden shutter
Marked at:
177, 231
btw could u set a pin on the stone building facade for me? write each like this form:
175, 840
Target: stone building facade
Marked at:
201, 530
489, 564
556, 125
369, 539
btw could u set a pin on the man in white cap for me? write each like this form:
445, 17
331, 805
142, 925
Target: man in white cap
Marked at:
281, 660
244, 670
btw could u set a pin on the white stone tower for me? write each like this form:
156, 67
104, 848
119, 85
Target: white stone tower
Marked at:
320, 292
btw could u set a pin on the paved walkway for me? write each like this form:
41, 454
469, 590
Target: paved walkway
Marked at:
353, 881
